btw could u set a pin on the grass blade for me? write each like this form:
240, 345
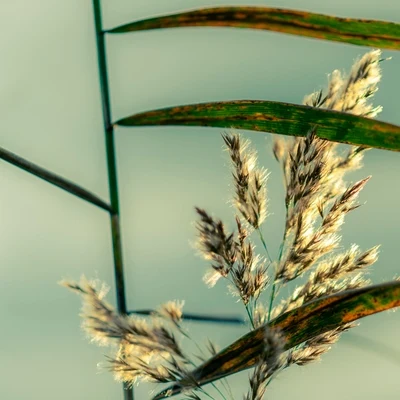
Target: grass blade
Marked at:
360, 32
275, 117
54, 179
297, 326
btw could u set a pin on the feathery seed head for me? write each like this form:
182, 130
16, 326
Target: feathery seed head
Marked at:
250, 182
172, 311
270, 361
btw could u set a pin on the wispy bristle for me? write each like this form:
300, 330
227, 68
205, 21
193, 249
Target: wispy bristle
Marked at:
317, 199
147, 350
352, 94
312, 290
312, 349
232, 257
250, 181
270, 361
311, 244
215, 245
171, 311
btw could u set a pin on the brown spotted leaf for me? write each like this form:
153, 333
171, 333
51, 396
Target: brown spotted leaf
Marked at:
275, 117
361, 32
297, 326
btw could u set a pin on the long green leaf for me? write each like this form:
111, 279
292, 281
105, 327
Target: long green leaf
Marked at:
297, 326
361, 32
275, 117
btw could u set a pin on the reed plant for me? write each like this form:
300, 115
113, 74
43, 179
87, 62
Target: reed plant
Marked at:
317, 199
331, 290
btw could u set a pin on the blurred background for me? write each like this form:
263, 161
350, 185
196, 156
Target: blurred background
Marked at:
51, 114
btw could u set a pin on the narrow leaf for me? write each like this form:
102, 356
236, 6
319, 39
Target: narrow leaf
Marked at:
297, 326
54, 179
361, 32
275, 117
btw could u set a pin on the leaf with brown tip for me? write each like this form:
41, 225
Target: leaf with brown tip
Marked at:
360, 32
275, 117
297, 326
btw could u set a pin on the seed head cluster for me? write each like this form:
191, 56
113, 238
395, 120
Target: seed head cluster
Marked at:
147, 350
317, 200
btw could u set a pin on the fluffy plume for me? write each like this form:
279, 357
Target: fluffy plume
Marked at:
317, 200
270, 361
250, 182
147, 350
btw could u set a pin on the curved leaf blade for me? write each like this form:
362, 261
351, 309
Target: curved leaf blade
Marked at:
297, 326
360, 32
275, 117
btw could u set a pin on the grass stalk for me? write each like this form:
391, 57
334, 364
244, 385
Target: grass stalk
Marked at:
264, 244
249, 315
199, 317
273, 291
53, 178
112, 171
271, 300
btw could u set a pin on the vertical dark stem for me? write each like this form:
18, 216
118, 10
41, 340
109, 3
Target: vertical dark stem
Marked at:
112, 169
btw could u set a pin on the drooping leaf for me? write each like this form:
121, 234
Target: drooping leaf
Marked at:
275, 117
297, 326
361, 32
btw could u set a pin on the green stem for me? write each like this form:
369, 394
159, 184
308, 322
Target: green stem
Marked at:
187, 336
284, 235
271, 300
112, 171
249, 314
218, 390
273, 292
264, 244
212, 383
204, 392
280, 251
225, 385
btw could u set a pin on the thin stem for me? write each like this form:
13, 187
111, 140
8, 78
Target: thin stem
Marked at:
264, 244
194, 365
250, 316
280, 251
270, 260
53, 178
271, 300
218, 390
246, 306
225, 384
186, 335
199, 317
214, 385
112, 171
284, 235
273, 292
204, 392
